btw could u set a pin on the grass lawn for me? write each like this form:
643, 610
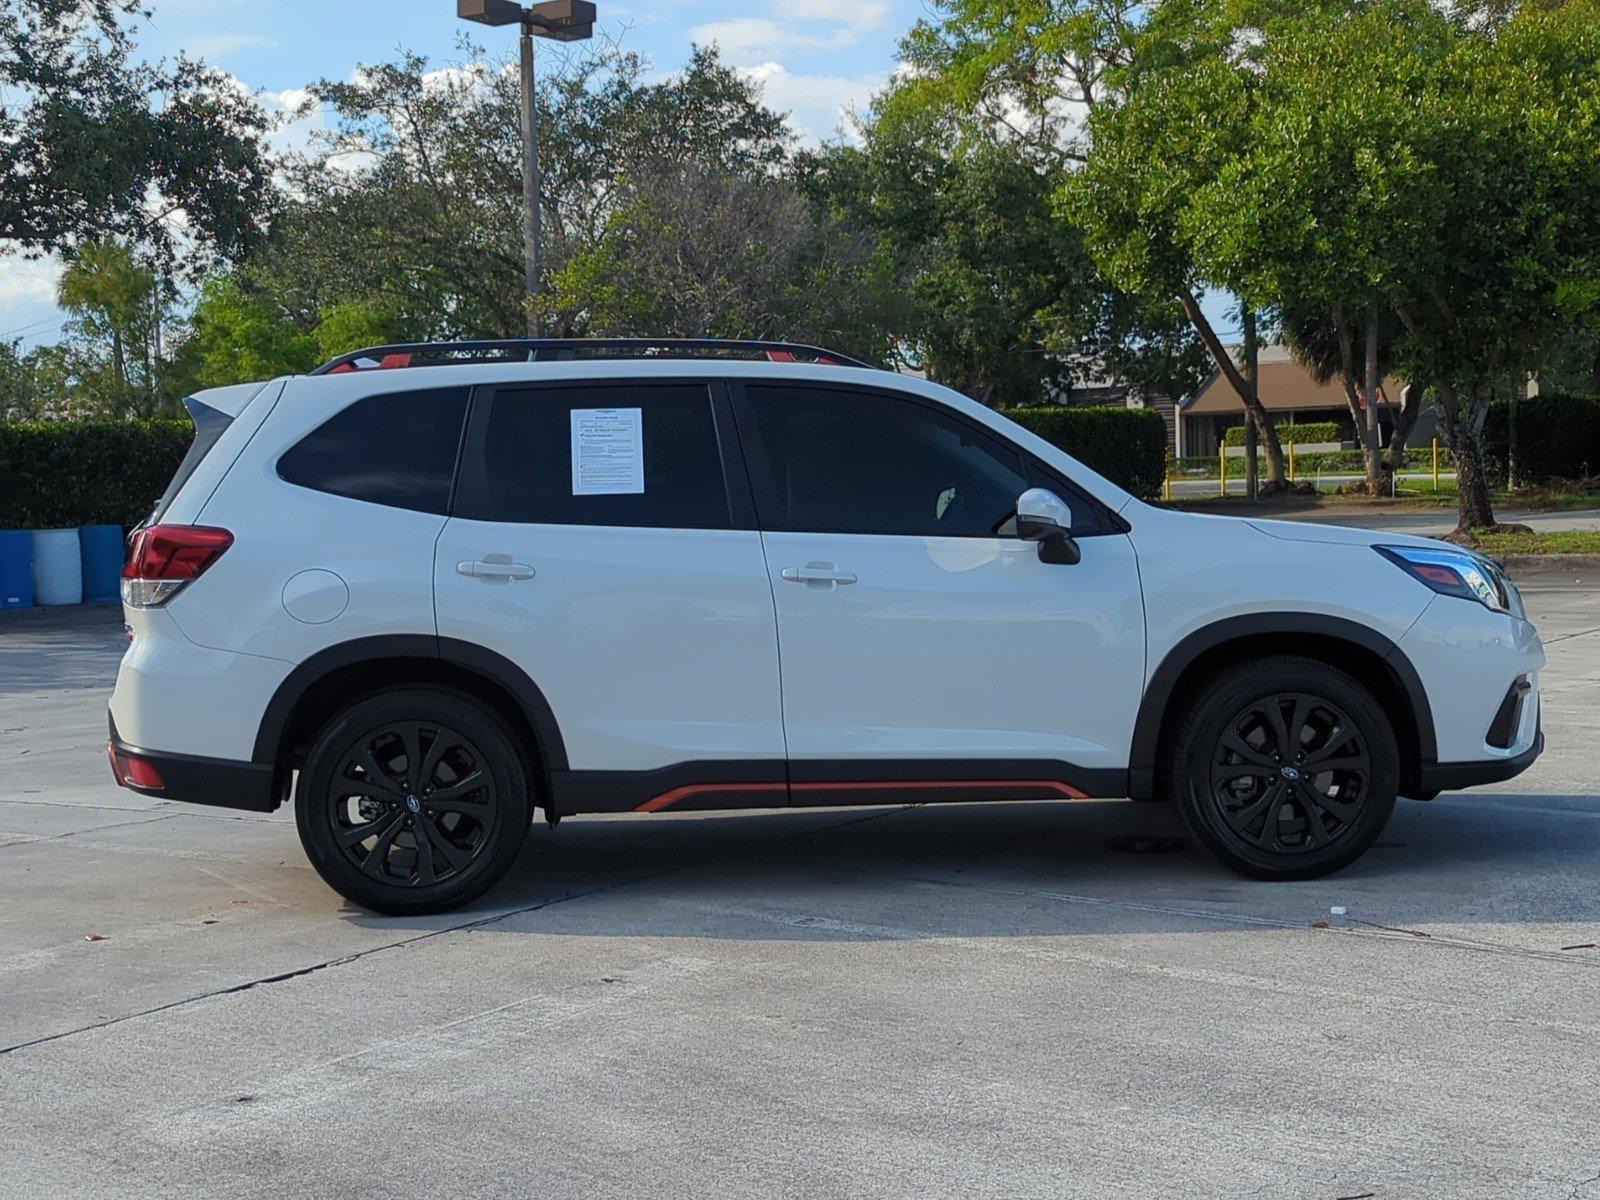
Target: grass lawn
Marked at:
1567, 542
1446, 497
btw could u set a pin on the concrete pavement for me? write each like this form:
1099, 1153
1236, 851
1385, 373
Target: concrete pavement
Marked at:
1006, 1000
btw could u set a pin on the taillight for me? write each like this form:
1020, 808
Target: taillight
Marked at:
132, 771
165, 557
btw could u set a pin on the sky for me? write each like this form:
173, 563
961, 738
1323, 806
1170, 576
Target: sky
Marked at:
815, 59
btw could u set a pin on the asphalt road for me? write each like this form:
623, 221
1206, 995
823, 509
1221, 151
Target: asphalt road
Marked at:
1000, 1001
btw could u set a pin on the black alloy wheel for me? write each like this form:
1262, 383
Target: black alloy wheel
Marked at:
1286, 768
412, 803
1290, 773
413, 800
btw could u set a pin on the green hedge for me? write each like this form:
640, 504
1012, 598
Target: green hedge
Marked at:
1126, 445
1300, 435
1558, 436
59, 473
1343, 462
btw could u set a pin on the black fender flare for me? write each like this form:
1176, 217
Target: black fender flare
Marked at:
470, 657
1164, 679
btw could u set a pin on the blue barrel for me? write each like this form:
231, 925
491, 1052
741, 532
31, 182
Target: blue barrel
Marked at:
101, 547
16, 568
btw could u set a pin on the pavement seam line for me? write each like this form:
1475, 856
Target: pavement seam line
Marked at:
29, 840
1440, 939
343, 960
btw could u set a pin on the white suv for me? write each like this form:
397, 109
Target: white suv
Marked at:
652, 577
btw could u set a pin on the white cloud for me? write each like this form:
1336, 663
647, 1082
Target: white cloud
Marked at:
819, 104
28, 299
795, 24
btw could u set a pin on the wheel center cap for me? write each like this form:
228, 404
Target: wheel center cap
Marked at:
413, 804
1289, 773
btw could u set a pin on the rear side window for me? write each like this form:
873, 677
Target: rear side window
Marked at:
640, 455
398, 449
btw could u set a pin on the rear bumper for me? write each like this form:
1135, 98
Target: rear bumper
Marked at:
1453, 776
218, 782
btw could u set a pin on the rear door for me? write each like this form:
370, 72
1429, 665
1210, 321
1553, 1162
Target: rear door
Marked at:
602, 538
923, 642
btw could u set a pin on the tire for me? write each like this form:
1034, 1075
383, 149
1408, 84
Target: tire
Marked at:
1249, 785
360, 813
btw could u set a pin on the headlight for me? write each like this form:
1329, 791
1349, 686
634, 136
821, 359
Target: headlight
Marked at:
1453, 573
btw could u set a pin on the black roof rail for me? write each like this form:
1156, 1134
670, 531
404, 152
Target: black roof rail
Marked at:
425, 354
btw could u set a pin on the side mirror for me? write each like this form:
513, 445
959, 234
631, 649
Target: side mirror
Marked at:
1044, 517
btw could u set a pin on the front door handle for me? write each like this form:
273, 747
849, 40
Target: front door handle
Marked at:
496, 566
824, 575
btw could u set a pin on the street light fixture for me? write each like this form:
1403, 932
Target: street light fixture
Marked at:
560, 21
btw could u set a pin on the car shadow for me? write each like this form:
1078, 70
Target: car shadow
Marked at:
1027, 869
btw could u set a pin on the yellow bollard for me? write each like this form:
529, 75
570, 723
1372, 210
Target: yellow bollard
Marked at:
1291, 462
1222, 467
1166, 475
1436, 464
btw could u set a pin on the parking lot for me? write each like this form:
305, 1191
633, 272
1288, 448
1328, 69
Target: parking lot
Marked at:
1006, 1000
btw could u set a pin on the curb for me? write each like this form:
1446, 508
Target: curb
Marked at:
1537, 562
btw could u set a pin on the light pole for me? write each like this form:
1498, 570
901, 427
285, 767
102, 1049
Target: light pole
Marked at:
561, 21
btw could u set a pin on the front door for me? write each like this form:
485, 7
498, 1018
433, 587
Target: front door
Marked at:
921, 641
595, 543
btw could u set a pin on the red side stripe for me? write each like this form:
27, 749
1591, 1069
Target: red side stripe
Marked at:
666, 799
657, 803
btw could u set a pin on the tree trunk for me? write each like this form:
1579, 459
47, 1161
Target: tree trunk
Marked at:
1511, 435
1241, 386
1371, 434
1462, 421
1353, 389
1404, 422
1252, 484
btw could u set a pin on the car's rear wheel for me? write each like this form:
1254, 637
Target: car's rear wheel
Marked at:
1285, 768
412, 800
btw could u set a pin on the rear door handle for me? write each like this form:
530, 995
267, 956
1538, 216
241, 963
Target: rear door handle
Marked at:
493, 568
824, 574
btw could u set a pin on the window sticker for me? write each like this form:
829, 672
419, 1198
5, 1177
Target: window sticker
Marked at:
607, 452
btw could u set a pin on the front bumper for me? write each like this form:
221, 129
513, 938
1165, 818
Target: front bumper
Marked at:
1433, 778
218, 782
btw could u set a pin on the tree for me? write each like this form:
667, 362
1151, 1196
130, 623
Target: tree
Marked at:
1171, 118
1511, 129
958, 180
411, 204
1049, 79
118, 305
1404, 185
1324, 344
238, 334
114, 301
95, 144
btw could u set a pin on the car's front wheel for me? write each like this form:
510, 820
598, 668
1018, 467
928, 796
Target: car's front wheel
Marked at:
412, 800
1285, 768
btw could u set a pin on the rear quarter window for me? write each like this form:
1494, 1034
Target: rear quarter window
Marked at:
397, 449
209, 426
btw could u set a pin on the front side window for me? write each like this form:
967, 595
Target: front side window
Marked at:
395, 448
641, 455
848, 461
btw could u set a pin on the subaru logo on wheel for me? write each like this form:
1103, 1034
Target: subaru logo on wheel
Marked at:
1289, 773
413, 804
